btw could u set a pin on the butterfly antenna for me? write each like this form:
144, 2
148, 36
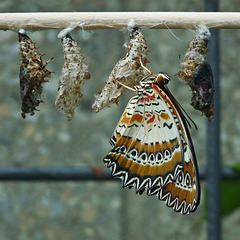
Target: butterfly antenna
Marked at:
188, 117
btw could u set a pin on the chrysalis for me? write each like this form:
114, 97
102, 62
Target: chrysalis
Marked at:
32, 74
128, 71
197, 73
74, 71
203, 90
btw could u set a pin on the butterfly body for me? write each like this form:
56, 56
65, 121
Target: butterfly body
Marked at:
152, 148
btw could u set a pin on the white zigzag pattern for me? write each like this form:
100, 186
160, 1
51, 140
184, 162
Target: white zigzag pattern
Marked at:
148, 184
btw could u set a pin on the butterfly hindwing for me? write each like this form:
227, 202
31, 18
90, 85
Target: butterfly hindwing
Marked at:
152, 150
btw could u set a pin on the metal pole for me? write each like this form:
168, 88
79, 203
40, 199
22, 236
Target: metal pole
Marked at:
213, 140
84, 173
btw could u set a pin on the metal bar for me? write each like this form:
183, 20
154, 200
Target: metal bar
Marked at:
213, 140
226, 173
103, 20
54, 174
80, 174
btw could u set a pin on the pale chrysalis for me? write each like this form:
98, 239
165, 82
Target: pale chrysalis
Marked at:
73, 73
32, 74
128, 71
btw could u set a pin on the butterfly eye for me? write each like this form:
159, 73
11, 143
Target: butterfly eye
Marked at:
162, 78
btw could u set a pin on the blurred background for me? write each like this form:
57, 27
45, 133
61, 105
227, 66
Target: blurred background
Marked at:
96, 209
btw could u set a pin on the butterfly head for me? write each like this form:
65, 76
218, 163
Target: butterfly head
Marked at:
162, 78
146, 83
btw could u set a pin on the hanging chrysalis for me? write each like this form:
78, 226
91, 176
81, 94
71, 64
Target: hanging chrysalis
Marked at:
128, 71
203, 90
197, 73
32, 74
73, 73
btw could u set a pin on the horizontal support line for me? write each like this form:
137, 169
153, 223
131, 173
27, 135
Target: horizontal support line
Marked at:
104, 20
79, 174
54, 173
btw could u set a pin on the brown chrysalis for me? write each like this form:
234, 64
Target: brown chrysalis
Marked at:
32, 74
73, 73
197, 73
128, 71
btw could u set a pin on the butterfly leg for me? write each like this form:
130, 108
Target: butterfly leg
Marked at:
148, 70
132, 89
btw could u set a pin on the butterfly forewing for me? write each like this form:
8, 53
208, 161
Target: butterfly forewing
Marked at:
186, 186
152, 150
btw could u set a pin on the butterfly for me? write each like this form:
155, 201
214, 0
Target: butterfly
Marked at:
152, 148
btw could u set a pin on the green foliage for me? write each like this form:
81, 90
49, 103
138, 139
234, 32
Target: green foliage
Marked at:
236, 167
230, 195
230, 192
